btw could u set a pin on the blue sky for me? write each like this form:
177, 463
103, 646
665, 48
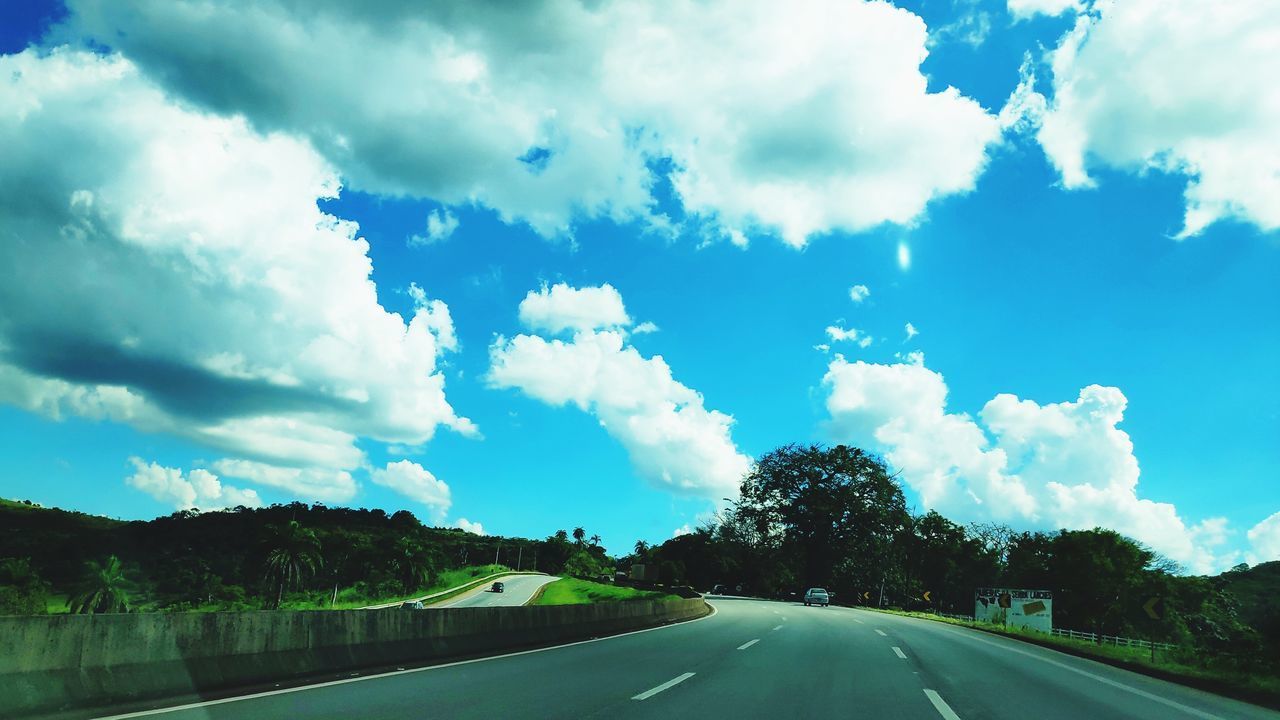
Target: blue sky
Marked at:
1021, 286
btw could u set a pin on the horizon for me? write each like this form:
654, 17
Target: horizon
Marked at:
390, 262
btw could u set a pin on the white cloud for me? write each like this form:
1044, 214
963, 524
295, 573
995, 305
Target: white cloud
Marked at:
904, 256
854, 335
312, 484
911, 331
1264, 539
971, 27
673, 440
416, 483
219, 305
1180, 87
200, 489
1023, 9
532, 109
644, 328
440, 226
474, 528
561, 307
858, 293
1061, 465
684, 529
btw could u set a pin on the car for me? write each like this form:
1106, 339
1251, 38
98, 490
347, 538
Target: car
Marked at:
816, 596
498, 587
719, 590
412, 605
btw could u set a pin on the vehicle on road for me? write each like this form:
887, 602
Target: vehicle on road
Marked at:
498, 587
412, 605
719, 590
816, 596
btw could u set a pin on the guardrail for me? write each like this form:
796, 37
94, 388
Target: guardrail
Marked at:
1091, 637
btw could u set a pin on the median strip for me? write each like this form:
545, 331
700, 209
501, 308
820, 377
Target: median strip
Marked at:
749, 643
664, 686
941, 705
898, 651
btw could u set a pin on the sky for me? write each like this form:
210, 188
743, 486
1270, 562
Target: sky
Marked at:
532, 267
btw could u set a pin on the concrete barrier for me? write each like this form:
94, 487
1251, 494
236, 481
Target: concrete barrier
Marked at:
65, 662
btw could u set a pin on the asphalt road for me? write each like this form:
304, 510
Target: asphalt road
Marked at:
758, 659
519, 589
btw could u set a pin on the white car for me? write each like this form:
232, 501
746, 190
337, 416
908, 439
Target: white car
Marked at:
817, 596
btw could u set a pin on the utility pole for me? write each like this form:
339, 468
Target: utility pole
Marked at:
495, 552
881, 591
519, 557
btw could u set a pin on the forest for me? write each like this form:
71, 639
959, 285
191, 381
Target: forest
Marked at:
807, 515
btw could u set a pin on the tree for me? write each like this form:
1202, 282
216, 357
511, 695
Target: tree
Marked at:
293, 552
642, 549
103, 588
22, 591
579, 536
413, 564
595, 541
582, 564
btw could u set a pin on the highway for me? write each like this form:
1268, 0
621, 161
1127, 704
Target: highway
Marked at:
755, 659
519, 590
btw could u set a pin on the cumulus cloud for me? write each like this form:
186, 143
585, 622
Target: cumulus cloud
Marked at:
1184, 88
853, 335
220, 305
416, 483
311, 484
858, 293
474, 528
1023, 9
199, 489
1060, 465
673, 439
440, 226
549, 112
561, 307
685, 529
910, 330
644, 328
1264, 539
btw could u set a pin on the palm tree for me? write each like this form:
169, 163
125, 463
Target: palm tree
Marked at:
412, 564
103, 589
595, 540
293, 552
579, 535
642, 547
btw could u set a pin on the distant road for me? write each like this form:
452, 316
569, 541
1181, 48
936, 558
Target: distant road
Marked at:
519, 590
756, 659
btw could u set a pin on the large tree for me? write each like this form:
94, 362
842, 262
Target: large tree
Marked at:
836, 512
293, 553
103, 588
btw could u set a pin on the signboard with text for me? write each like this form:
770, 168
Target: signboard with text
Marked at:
1014, 607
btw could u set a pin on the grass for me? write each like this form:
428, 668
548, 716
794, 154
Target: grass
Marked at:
348, 599
1177, 665
572, 591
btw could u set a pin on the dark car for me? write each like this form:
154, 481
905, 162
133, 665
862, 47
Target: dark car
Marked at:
498, 587
412, 605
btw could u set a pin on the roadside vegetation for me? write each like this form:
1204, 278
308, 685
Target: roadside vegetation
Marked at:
292, 557
575, 591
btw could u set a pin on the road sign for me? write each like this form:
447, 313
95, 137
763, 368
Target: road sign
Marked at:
926, 596
866, 596
1154, 608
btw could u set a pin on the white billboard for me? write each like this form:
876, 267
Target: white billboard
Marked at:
1014, 608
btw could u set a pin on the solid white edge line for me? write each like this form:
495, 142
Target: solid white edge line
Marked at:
777, 627
881, 633
664, 686
941, 705
898, 651
344, 681
1006, 646
748, 644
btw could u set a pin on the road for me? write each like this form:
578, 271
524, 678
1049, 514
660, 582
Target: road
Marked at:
519, 589
757, 659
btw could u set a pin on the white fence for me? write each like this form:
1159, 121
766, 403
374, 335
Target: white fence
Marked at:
1091, 637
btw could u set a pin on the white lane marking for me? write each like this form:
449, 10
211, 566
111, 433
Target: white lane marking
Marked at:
859, 621
749, 643
344, 681
664, 686
881, 633
777, 627
775, 612
941, 705
898, 651
1104, 680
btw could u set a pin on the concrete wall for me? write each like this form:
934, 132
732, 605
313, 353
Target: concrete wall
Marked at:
74, 661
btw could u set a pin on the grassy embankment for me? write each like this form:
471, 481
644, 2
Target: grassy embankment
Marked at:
1178, 665
572, 591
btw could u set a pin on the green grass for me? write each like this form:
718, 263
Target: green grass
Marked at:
348, 599
572, 591
1180, 663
